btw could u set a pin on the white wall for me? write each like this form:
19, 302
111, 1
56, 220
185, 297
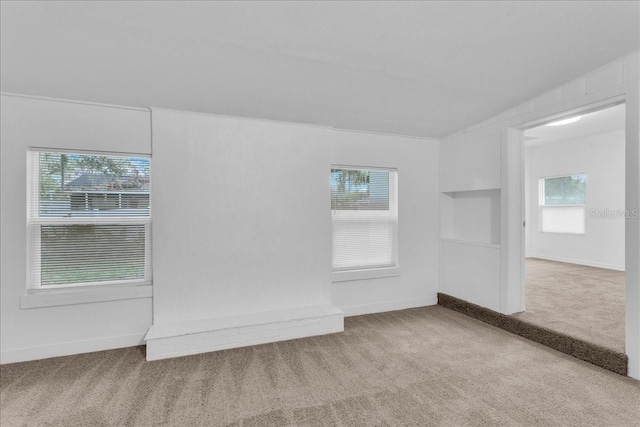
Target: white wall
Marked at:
418, 221
470, 228
61, 329
259, 236
242, 223
601, 157
241, 216
242, 226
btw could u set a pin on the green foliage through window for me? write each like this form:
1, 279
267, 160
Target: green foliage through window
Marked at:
91, 253
89, 218
79, 184
355, 189
565, 190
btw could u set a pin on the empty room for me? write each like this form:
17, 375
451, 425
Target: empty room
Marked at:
320, 213
574, 244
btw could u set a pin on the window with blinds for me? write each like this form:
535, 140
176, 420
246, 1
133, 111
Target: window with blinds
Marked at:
88, 218
562, 204
364, 212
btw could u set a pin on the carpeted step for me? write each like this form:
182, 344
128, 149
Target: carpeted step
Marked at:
600, 356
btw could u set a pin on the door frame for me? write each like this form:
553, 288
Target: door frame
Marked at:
513, 214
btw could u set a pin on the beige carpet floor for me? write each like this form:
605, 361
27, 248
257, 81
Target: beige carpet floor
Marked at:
419, 367
580, 301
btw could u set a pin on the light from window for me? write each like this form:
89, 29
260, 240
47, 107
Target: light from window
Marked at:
364, 218
562, 204
88, 219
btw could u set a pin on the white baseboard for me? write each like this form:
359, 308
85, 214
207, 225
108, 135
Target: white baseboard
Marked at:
579, 262
357, 310
202, 336
68, 348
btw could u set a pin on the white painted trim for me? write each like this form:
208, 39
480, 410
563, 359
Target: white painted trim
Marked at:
596, 106
35, 150
630, 91
73, 101
454, 190
571, 106
201, 336
367, 274
394, 135
174, 329
512, 232
91, 220
26, 354
578, 262
632, 227
230, 117
312, 125
471, 243
85, 295
381, 307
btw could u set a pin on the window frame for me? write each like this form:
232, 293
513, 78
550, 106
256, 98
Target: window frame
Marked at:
542, 204
344, 274
35, 223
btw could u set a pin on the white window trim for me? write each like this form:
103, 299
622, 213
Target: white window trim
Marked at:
542, 206
364, 274
373, 272
40, 298
84, 292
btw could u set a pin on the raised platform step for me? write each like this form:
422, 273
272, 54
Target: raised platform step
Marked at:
600, 356
201, 336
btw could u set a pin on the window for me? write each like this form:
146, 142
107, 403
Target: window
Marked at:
364, 217
562, 204
88, 219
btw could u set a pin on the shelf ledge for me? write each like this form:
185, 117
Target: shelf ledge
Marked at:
471, 243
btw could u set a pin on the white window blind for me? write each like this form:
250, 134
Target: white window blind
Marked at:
88, 219
364, 209
562, 204
562, 219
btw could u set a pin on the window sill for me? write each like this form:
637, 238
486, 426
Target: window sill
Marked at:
71, 296
563, 233
371, 273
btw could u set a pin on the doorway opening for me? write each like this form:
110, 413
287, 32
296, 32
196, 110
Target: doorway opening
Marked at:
574, 191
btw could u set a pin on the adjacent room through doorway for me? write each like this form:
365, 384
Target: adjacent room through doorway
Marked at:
575, 227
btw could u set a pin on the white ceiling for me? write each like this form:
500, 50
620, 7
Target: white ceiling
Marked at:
602, 121
412, 68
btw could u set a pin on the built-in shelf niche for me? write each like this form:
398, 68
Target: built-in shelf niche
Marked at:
471, 217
